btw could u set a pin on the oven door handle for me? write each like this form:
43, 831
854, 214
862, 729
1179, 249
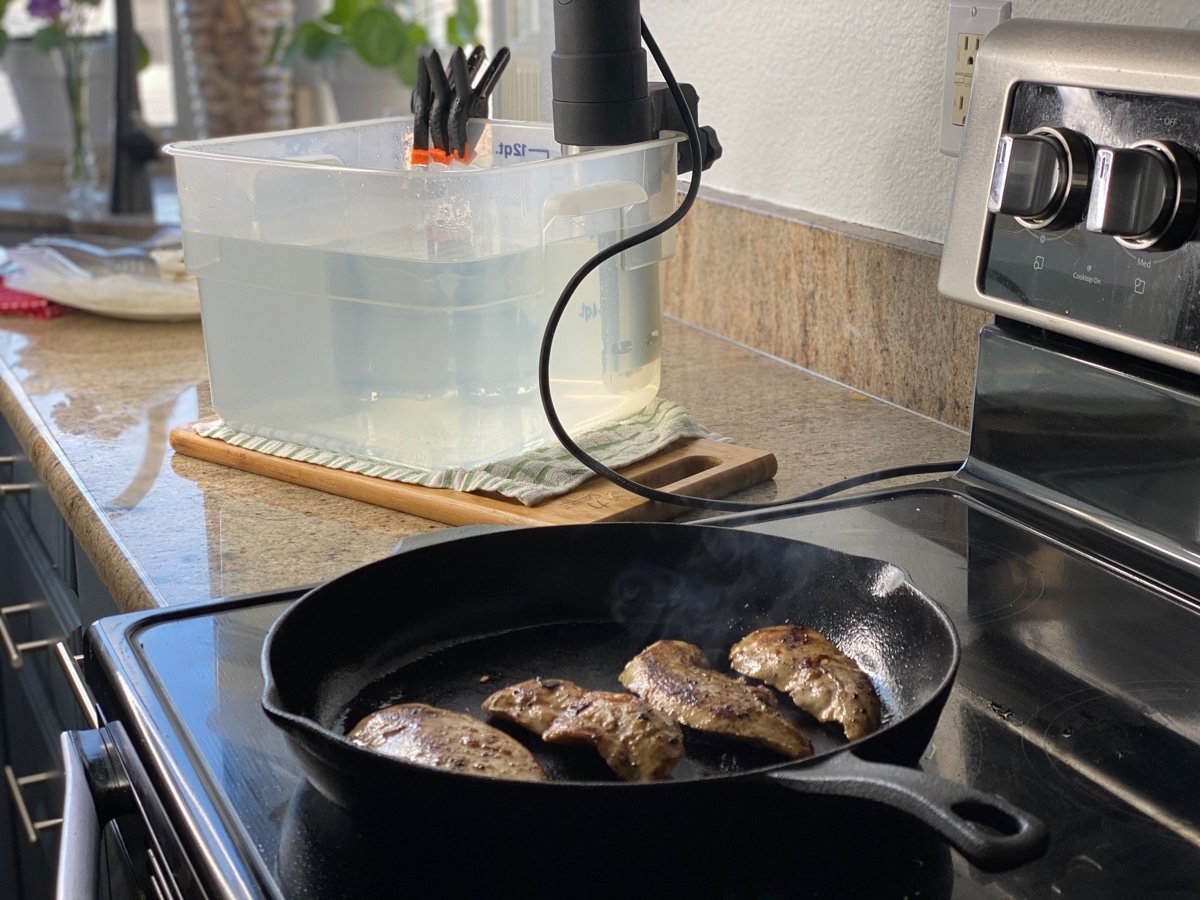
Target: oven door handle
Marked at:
97, 790
79, 843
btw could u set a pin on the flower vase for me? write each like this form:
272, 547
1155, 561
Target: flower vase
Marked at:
83, 197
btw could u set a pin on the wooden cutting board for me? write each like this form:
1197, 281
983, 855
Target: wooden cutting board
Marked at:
696, 466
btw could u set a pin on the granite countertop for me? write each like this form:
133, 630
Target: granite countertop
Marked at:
92, 401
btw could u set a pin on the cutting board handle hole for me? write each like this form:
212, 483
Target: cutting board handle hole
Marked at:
674, 470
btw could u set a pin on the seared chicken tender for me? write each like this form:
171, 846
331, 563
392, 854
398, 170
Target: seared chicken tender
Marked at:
819, 678
676, 679
535, 703
441, 739
636, 742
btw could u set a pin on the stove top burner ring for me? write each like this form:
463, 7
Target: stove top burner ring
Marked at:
1002, 584
1014, 584
1098, 744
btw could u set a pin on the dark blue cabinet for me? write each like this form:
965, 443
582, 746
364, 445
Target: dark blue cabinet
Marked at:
39, 608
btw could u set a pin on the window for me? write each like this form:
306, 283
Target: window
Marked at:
155, 83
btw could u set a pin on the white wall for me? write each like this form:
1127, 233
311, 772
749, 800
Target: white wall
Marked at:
833, 106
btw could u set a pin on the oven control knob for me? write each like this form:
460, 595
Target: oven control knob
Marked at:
1145, 195
1042, 178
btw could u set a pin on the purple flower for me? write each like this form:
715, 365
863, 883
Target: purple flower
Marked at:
46, 9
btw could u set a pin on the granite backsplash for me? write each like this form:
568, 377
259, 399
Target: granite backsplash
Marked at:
851, 303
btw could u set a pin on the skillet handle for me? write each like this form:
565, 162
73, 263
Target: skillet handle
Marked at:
990, 832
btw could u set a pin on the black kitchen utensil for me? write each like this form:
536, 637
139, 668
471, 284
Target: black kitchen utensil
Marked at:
450, 623
444, 99
460, 105
487, 82
422, 100
439, 106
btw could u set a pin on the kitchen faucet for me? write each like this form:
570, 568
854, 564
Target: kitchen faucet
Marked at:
133, 144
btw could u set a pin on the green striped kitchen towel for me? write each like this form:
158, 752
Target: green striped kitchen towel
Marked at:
531, 477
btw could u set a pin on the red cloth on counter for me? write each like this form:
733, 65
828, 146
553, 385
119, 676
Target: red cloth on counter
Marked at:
19, 303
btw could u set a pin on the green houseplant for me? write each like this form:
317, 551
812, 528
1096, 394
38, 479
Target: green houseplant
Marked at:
382, 33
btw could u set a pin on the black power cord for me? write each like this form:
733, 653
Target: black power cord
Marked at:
556, 314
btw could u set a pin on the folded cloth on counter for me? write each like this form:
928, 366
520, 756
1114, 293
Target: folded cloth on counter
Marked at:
20, 303
531, 477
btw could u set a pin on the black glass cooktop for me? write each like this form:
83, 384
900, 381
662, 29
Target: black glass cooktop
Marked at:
1078, 699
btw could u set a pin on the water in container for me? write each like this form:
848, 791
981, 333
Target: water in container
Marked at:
356, 303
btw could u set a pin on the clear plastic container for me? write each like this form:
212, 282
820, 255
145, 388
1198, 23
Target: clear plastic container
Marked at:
356, 303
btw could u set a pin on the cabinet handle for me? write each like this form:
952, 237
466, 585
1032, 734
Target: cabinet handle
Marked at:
6, 489
17, 488
11, 647
15, 785
67, 661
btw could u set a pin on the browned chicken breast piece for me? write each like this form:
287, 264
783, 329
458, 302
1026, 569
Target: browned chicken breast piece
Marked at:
535, 703
634, 740
441, 739
637, 741
676, 679
819, 678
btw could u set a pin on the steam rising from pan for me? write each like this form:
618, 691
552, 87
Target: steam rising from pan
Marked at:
718, 592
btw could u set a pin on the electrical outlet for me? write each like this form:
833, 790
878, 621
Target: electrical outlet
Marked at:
970, 21
962, 96
966, 46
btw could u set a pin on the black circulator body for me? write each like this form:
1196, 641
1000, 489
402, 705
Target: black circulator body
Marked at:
598, 73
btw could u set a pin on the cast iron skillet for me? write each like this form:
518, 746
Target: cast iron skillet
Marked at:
448, 624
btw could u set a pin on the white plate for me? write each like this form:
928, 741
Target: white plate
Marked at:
138, 309
139, 297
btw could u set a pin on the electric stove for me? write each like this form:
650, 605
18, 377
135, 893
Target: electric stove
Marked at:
1066, 551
